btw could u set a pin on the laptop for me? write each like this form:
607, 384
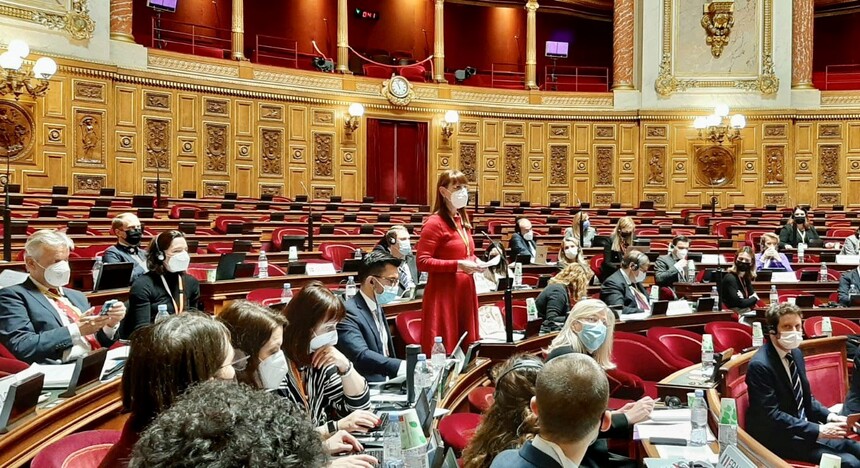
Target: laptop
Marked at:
227, 265
245, 270
705, 304
293, 241
524, 259
21, 398
764, 275
351, 265
114, 276
805, 301
541, 254
809, 275
854, 300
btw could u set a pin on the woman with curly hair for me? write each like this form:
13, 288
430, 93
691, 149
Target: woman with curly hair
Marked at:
563, 290
509, 422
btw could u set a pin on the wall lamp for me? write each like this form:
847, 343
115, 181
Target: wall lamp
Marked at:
448, 122
15, 79
355, 112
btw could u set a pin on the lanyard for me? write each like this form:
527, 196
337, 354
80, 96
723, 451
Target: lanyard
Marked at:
464, 236
300, 383
744, 287
178, 309
802, 236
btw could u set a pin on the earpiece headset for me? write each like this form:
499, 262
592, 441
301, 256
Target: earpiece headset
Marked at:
160, 253
391, 236
637, 262
528, 364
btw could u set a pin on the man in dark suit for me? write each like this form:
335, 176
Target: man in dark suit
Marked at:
624, 287
571, 394
846, 279
523, 242
783, 414
397, 243
672, 267
40, 319
363, 335
128, 231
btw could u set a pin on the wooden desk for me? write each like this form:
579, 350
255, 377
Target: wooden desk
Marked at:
456, 398
693, 291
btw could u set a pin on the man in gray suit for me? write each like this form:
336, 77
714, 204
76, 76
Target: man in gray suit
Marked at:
672, 268
40, 319
624, 287
846, 280
398, 244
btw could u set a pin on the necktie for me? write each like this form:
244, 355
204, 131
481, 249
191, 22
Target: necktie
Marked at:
641, 300
403, 277
73, 314
382, 326
795, 384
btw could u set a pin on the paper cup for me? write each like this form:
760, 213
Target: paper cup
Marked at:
828, 460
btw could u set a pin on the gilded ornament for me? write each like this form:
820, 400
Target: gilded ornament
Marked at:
469, 160
16, 131
718, 20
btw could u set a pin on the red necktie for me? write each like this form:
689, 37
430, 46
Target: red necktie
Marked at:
640, 299
73, 314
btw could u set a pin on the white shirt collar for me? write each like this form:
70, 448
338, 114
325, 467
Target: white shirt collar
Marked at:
554, 451
371, 304
626, 278
44, 288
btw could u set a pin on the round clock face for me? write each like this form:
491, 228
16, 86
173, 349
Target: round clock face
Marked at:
399, 87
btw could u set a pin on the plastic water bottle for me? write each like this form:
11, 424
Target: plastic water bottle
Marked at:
852, 291
707, 354
438, 356
357, 254
715, 295
691, 271
293, 255
422, 278
801, 251
162, 313
97, 268
826, 326
822, 274
423, 374
531, 309
655, 293
391, 443
758, 336
699, 420
351, 289
263, 265
518, 274
286, 294
774, 295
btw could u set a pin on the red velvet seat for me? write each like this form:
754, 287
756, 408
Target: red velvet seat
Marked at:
683, 343
730, 335
481, 398
263, 294
221, 222
521, 314
408, 326
10, 365
646, 358
337, 252
219, 247
595, 263
624, 385
457, 429
176, 211
81, 450
840, 232
839, 326
279, 233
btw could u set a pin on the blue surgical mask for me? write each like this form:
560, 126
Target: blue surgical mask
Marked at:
592, 335
405, 248
388, 294
585, 225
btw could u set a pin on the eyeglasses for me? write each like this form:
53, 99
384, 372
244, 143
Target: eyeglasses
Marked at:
240, 360
387, 281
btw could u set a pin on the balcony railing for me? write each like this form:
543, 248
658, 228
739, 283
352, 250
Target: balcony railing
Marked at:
191, 38
576, 79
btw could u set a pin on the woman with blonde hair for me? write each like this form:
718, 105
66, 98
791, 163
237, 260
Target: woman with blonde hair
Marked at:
569, 253
508, 422
564, 289
622, 239
580, 230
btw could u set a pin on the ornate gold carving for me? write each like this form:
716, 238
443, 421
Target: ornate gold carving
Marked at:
605, 162
559, 130
582, 166
603, 199
656, 165
599, 100
89, 91
833, 98
655, 131
604, 132
217, 107
348, 157
125, 141
214, 189
774, 168
513, 164
322, 154
274, 190
774, 131
718, 20
558, 157
321, 117
54, 134
444, 161
501, 98
269, 112
659, 199
159, 101
828, 164
514, 130
777, 199
88, 183
216, 147
469, 160
186, 146
398, 90
149, 186
803, 166
189, 65
323, 192
829, 130
298, 153
513, 198
714, 165
828, 198
16, 131
317, 80
271, 151
469, 127
560, 198
71, 16
157, 144
89, 137
243, 149
536, 164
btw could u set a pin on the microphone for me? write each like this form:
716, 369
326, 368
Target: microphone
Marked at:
412, 352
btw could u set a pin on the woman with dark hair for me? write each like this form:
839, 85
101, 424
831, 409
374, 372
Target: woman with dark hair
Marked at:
446, 251
320, 378
797, 230
164, 360
166, 283
736, 288
258, 332
508, 423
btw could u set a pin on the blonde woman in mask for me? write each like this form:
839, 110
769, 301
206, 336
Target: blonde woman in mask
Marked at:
570, 253
446, 251
564, 289
166, 283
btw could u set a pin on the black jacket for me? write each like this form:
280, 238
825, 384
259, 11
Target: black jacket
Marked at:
359, 340
409, 260
733, 295
147, 293
553, 303
665, 273
123, 254
846, 279
518, 245
616, 291
789, 236
611, 260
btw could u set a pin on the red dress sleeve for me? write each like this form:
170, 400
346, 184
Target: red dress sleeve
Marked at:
434, 236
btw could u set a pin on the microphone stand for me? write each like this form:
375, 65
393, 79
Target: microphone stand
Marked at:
509, 298
310, 219
7, 213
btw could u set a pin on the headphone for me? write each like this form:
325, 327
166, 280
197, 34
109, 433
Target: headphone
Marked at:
527, 364
160, 253
637, 263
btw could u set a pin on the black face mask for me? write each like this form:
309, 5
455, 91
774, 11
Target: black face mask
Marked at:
800, 219
626, 235
133, 236
743, 266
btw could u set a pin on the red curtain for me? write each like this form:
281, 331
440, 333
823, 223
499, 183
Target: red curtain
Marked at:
397, 160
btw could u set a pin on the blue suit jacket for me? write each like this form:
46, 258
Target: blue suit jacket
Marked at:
526, 457
30, 326
518, 245
358, 339
846, 279
772, 414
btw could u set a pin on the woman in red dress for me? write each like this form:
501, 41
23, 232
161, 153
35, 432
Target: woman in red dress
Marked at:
446, 252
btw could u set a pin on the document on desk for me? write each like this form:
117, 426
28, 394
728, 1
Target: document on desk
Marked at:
489, 263
703, 453
11, 278
637, 316
669, 416
387, 398
677, 430
56, 375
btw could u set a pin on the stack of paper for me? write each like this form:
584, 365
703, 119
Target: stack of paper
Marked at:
57, 376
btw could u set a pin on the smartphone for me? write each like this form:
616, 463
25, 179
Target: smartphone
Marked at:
106, 307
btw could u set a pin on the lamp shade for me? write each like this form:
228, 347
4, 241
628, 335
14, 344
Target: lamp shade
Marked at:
19, 48
356, 110
713, 120
452, 116
700, 123
45, 68
9, 61
721, 110
738, 121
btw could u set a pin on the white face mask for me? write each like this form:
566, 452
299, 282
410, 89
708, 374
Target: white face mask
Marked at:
790, 340
640, 276
321, 341
571, 252
58, 274
273, 370
529, 236
178, 262
405, 247
682, 253
459, 198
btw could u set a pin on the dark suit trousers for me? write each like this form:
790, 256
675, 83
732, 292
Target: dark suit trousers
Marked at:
846, 449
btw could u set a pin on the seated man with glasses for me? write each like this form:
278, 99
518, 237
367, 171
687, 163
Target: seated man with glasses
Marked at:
363, 335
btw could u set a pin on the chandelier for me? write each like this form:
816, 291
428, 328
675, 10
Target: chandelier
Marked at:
719, 127
15, 79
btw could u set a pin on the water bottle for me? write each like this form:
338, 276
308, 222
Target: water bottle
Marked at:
531, 309
801, 251
826, 326
707, 355
423, 374
438, 356
392, 445
518, 274
699, 420
262, 265
97, 268
351, 289
293, 255
357, 254
715, 295
852, 291
286, 294
162, 313
822, 274
758, 336
655, 293
774, 295
422, 278
691, 271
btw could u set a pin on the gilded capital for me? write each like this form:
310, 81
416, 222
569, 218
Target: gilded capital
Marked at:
532, 6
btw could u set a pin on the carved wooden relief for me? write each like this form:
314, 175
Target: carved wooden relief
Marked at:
323, 192
560, 198
558, 157
774, 167
604, 199
216, 107
125, 141
323, 154
513, 198
297, 154
468, 127
157, 101
513, 164
214, 189
655, 131
216, 147
271, 151
321, 117
828, 198
469, 160
828, 165
444, 161
714, 166
659, 199
605, 162
16, 131
348, 157
656, 165
89, 91
274, 190
89, 137
604, 132
774, 131
514, 130
149, 186
777, 199
559, 130
87, 183
187, 146
157, 143
829, 131
54, 134
272, 112
243, 149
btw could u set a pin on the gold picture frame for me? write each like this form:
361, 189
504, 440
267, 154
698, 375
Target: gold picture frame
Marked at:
71, 16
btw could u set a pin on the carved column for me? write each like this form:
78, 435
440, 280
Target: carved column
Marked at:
439, 43
531, 44
342, 37
622, 45
238, 29
120, 20
801, 38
